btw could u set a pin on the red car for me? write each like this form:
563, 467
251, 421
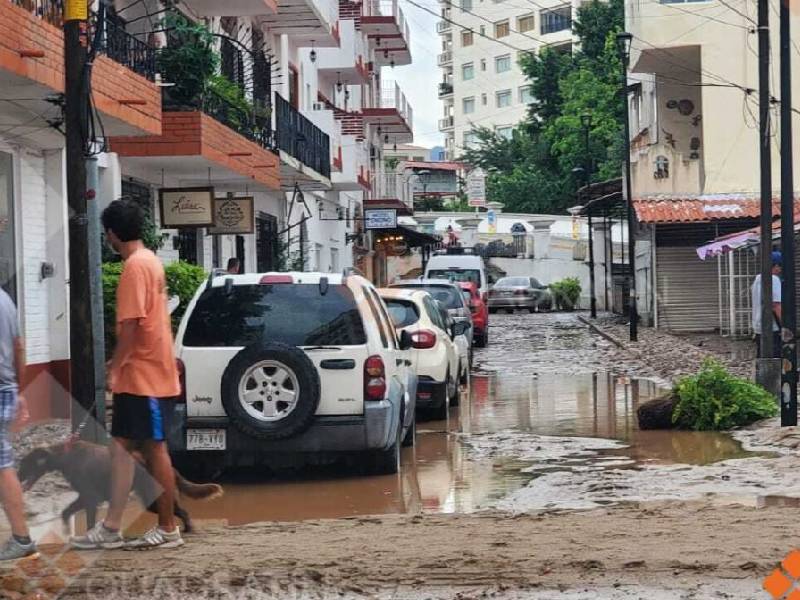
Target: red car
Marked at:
479, 312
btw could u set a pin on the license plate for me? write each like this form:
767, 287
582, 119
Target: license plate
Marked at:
206, 439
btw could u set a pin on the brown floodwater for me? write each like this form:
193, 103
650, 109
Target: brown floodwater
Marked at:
440, 475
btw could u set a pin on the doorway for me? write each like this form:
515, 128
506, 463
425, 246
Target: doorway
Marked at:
187, 245
240, 253
266, 242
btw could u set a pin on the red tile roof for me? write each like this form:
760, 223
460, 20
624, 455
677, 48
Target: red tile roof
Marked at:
701, 209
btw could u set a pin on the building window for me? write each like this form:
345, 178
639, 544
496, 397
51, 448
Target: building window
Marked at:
484, 99
483, 64
503, 98
468, 104
467, 71
502, 29
467, 38
556, 19
483, 30
466, 5
502, 64
526, 23
470, 139
525, 94
504, 132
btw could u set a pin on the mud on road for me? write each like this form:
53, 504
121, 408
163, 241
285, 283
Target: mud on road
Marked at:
539, 486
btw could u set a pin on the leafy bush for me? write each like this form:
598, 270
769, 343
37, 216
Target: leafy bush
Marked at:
566, 293
713, 399
188, 60
183, 279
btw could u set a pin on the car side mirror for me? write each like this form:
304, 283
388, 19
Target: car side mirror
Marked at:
405, 340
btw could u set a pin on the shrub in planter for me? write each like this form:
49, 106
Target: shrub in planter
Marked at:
713, 399
566, 293
183, 279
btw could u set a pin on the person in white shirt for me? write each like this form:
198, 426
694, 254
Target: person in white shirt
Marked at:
776, 306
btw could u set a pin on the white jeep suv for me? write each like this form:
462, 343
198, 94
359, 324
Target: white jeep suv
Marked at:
279, 366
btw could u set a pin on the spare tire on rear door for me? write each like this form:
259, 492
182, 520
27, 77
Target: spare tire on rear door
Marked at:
271, 391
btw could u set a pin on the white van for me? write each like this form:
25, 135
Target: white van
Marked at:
459, 267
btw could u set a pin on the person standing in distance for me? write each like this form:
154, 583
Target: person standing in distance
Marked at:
776, 306
12, 406
143, 377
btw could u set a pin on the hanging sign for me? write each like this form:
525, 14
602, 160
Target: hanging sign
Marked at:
233, 216
380, 218
476, 187
187, 207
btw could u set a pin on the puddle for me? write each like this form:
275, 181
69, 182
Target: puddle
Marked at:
595, 405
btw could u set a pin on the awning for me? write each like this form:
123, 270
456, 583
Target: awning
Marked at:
749, 237
414, 238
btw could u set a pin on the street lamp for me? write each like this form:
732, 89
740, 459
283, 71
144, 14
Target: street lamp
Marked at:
586, 123
624, 50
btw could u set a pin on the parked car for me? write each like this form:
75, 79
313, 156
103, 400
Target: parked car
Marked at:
435, 355
458, 268
278, 366
450, 297
519, 292
479, 312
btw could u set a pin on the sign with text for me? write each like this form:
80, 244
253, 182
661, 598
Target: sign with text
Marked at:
476, 187
380, 218
186, 207
233, 216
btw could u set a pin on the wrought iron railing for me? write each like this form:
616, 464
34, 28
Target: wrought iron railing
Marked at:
445, 89
123, 48
252, 123
300, 138
51, 11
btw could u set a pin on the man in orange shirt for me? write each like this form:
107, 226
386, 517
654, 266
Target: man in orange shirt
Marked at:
143, 377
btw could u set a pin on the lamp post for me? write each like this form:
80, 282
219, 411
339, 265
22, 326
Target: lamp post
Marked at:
586, 123
624, 49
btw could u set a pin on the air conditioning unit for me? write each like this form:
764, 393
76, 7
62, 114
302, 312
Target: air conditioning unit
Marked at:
318, 106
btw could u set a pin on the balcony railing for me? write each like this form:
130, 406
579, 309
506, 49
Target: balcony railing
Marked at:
389, 8
445, 89
51, 11
121, 47
446, 123
391, 185
443, 26
300, 138
254, 124
445, 57
393, 97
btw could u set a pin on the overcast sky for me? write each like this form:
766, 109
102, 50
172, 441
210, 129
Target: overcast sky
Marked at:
420, 80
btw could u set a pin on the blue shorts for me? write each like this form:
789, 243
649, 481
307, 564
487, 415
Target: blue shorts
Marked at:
141, 418
8, 412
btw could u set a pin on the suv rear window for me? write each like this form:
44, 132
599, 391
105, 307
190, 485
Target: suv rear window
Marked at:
449, 296
473, 275
403, 312
513, 281
295, 314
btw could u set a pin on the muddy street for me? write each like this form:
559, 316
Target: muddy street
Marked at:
539, 485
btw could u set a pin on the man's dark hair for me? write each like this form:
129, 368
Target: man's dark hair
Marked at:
125, 218
233, 263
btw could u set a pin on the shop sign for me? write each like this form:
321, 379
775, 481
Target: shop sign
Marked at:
186, 207
233, 216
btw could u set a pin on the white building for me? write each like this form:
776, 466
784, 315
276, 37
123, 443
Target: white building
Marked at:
482, 83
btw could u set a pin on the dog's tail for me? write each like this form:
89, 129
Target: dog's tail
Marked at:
197, 491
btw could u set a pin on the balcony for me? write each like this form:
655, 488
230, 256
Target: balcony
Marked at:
353, 157
446, 124
443, 26
391, 190
304, 20
445, 58
389, 34
32, 61
346, 61
304, 149
394, 115
244, 8
445, 89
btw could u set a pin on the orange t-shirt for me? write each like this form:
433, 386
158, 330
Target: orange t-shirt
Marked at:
150, 369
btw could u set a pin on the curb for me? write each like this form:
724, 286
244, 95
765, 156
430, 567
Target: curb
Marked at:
602, 333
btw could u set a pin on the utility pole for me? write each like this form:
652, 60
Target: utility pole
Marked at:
76, 122
788, 301
586, 123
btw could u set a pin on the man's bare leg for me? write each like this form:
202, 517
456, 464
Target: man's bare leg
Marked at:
13, 505
160, 466
122, 470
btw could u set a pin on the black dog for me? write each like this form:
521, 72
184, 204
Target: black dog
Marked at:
87, 468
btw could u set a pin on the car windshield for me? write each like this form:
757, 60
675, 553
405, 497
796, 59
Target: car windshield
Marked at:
403, 312
513, 282
298, 315
447, 295
467, 296
473, 275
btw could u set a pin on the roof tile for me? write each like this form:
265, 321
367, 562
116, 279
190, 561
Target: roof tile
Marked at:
702, 209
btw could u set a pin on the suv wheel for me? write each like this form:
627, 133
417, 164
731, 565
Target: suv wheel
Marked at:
271, 391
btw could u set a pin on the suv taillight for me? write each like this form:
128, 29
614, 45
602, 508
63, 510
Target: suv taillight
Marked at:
423, 339
182, 380
374, 379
